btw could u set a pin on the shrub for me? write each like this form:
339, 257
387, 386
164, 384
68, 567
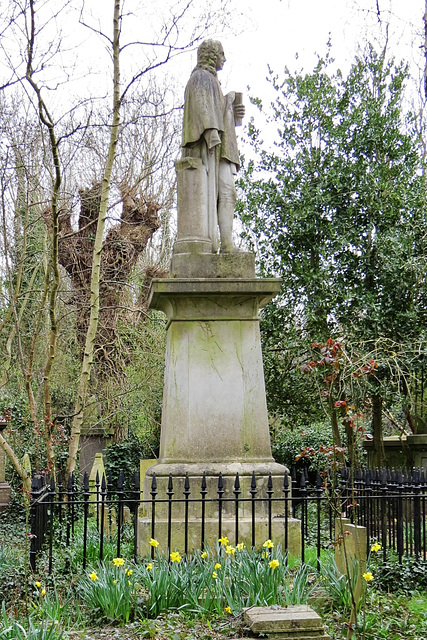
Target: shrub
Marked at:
287, 444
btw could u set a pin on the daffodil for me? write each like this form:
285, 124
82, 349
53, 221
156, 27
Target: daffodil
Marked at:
240, 546
114, 581
43, 592
93, 576
38, 584
204, 554
175, 557
217, 566
273, 564
118, 562
149, 566
223, 541
227, 609
368, 576
129, 572
376, 547
154, 543
268, 544
214, 574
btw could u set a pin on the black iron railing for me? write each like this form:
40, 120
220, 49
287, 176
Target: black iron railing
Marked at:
390, 504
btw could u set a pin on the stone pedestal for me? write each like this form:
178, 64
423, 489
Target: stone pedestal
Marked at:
214, 417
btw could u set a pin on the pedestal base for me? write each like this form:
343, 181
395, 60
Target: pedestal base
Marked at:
216, 514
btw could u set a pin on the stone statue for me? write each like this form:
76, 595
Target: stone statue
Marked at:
209, 134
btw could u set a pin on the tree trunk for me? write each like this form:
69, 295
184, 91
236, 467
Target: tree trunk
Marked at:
377, 430
88, 354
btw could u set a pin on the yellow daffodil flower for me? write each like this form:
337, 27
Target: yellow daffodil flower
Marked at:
217, 566
43, 592
240, 546
229, 549
204, 554
227, 609
268, 544
93, 576
368, 576
118, 562
214, 574
149, 566
223, 541
175, 557
273, 564
154, 543
376, 547
114, 581
38, 584
129, 572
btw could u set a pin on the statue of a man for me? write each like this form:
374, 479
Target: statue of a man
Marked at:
209, 133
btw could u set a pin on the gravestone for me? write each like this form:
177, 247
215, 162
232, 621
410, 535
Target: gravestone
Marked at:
214, 417
299, 622
5, 488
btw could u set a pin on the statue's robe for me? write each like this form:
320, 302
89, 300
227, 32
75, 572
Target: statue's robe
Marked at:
209, 133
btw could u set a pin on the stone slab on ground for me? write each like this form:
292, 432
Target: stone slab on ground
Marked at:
300, 622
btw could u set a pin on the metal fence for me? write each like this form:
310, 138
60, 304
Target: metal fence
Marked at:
390, 504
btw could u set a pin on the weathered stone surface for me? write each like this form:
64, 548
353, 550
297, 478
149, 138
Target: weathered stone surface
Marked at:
214, 406
194, 264
350, 552
205, 175
5, 491
295, 621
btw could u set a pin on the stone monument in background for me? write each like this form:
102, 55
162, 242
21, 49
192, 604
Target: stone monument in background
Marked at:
214, 417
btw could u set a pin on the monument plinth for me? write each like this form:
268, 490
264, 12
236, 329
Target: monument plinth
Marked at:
214, 417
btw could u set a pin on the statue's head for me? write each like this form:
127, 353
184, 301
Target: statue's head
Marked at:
210, 55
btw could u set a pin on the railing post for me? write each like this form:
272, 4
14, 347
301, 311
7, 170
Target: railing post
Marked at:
400, 491
186, 493
417, 512
86, 496
153, 494
103, 494
136, 498
319, 491
303, 493
170, 493
34, 532
51, 500
120, 499
220, 492
253, 491
203, 492
236, 491
383, 523
270, 493
60, 503
110, 488
69, 494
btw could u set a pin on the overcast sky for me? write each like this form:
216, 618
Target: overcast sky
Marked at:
274, 31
